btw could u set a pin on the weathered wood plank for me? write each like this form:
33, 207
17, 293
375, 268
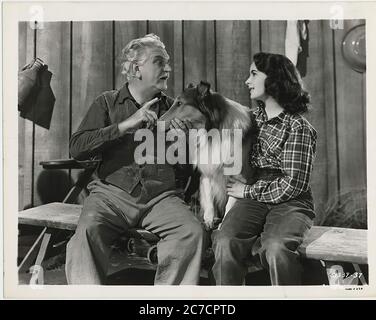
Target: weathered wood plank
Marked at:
53, 215
364, 112
329, 136
170, 33
25, 127
350, 111
323, 243
53, 47
335, 244
319, 82
199, 52
273, 35
255, 43
125, 31
233, 59
22, 43
92, 67
255, 36
22, 47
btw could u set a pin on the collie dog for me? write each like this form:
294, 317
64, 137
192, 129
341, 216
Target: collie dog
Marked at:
209, 110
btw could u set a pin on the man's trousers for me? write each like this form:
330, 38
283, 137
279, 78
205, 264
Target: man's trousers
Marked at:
108, 211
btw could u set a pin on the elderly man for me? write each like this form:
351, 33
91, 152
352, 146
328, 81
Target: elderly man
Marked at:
127, 194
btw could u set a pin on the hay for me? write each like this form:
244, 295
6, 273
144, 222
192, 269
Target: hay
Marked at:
348, 209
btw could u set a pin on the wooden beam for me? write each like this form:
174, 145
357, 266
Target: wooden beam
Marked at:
53, 47
37, 270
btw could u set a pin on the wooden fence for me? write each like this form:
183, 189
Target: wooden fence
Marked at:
85, 59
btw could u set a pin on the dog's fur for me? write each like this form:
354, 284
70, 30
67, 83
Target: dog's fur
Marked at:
207, 109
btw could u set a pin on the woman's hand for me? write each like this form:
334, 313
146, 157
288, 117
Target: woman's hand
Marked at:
235, 187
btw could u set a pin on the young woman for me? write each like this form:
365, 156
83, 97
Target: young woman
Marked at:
272, 215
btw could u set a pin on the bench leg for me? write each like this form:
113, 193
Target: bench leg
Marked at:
37, 270
31, 254
38, 249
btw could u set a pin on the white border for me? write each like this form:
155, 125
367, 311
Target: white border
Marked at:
14, 12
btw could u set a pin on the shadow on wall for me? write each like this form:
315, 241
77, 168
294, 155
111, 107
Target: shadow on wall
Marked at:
53, 185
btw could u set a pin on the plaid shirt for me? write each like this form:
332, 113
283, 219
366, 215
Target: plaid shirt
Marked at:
288, 143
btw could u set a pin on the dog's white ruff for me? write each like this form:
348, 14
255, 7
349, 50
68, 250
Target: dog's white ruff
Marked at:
213, 181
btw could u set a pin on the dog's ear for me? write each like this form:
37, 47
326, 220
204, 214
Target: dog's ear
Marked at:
191, 85
203, 89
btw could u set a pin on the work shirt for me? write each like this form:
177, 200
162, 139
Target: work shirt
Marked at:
286, 143
98, 136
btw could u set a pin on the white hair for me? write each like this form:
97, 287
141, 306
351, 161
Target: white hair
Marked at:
135, 52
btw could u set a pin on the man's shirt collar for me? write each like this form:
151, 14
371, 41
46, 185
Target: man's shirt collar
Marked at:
124, 94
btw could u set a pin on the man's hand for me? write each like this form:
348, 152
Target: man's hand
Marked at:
235, 187
143, 116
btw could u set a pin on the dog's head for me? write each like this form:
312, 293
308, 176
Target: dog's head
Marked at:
204, 108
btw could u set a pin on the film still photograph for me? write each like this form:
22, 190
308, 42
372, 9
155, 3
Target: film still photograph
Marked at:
192, 152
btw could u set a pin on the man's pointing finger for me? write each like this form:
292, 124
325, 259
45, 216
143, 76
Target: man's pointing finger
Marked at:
149, 103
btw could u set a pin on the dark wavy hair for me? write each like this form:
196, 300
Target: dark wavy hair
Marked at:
283, 82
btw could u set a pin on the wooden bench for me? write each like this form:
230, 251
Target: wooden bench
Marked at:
330, 245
